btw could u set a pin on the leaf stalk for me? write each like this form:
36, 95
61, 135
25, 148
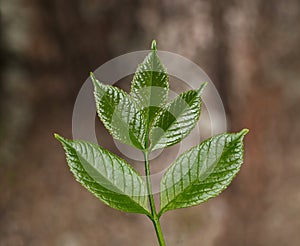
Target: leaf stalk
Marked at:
154, 217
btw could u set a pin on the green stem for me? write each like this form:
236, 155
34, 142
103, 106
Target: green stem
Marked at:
154, 217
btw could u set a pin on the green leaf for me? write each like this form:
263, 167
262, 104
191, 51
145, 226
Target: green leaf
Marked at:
119, 114
176, 120
107, 176
202, 172
150, 86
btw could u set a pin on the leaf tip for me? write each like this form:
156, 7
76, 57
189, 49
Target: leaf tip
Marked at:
153, 45
57, 136
60, 138
202, 87
243, 132
96, 82
93, 78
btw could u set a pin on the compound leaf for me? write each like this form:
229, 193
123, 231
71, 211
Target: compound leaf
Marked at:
175, 121
107, 176
202, 172
119, 114
150, 86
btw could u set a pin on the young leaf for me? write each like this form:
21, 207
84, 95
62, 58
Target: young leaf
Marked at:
176, 120
202, 172
119, 114
107, 176
150, 85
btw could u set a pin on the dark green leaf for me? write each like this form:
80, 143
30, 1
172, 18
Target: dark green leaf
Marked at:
107, 176
150, 86
176, 120
119, 114
202, 172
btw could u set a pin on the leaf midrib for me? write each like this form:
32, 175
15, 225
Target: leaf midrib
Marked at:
148, 108
117, 188
194, 181
125, 126
175, 119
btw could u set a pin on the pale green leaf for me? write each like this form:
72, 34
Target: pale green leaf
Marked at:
175, 121
107, 176
202, 172
119, 114
150, 86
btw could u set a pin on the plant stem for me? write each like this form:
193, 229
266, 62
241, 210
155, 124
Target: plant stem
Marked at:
154, 217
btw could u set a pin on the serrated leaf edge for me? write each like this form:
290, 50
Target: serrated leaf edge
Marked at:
65, 142
160, 112
240, 135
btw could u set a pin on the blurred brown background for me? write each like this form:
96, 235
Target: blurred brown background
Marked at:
250, 49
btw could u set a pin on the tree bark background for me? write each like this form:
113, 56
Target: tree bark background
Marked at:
250, 49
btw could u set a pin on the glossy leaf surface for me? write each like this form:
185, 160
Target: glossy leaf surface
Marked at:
150, 86
119, 114
202, 172
176, 120
107, 176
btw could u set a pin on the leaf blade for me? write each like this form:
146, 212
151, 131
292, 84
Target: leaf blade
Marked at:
175, 121
150, 85
119, 114
113, 181
202, 172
